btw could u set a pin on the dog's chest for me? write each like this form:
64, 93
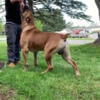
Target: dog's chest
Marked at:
35, 45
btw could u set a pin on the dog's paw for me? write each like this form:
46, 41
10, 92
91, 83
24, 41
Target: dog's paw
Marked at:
78, 73
25, 70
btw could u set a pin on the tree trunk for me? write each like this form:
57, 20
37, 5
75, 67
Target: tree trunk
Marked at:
98, 6
97, 41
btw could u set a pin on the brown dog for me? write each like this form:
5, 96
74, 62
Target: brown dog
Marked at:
34, 40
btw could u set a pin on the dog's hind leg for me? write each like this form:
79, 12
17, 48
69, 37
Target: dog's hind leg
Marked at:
25, 55
35, 58
66, 56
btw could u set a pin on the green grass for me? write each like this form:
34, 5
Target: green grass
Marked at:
2, 36
60, 84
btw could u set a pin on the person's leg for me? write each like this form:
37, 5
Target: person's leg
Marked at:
11, 37
17, 44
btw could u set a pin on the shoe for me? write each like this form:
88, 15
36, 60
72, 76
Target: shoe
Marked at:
18, 62
11, 64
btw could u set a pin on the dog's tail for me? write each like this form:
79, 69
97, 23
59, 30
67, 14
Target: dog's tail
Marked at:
65, 36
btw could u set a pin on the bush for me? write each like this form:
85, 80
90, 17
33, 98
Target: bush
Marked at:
1, 27
39, 24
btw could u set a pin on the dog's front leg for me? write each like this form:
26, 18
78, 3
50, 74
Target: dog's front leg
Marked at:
25, 55
35, 58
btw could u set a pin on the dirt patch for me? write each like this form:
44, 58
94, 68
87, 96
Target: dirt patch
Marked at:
1, 64
8, 95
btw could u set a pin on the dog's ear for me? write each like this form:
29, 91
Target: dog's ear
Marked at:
64, 36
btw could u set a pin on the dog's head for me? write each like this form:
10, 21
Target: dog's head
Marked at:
27, 15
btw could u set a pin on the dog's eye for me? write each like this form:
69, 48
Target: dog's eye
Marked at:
28, 19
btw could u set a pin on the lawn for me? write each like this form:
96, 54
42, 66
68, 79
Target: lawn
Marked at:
59, 84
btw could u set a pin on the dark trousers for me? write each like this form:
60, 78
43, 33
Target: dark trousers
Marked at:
13, 32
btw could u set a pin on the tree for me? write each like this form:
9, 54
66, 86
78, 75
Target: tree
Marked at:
2, 6
1, 26
54, 22
73, 8
98, 6
49, 16
39, 25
